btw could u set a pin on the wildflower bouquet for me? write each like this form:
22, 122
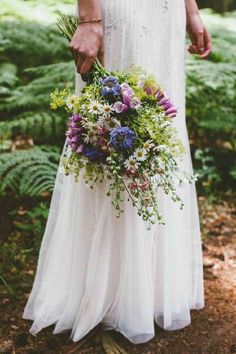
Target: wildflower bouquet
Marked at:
121, 130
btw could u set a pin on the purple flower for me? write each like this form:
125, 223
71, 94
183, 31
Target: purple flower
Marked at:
75, 131
75, 118
164, 101
127, 100
73, 125
126, 89
167, 105
75, 139
94, 154
73, 146
159, 95
120, 107
122, 138
111, 86
171, 112
80, 149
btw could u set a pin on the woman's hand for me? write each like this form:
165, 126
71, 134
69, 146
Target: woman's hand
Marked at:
87, 44
199, 36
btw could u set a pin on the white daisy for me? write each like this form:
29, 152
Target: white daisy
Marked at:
131, 162
106, 109
148, 145
104, 121
140, 154
91, 137
95, 107
70, 101
91, 126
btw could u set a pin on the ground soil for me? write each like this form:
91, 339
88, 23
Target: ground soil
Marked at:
213, 329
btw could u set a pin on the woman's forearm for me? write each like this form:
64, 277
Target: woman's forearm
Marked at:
191, 7
89, 9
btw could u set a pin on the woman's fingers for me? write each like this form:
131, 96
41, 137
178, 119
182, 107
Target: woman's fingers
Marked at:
79, 62
101, 54
202, 45
207, 44
193, 49
86, 64
200, 41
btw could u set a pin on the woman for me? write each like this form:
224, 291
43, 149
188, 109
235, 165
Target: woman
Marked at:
94, 268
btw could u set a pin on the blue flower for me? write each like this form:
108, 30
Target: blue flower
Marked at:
94, 154
122, 138
111, 86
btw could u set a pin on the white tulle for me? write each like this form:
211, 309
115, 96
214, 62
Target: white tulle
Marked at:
95, 268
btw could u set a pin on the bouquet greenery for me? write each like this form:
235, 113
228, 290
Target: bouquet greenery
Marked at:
121, 129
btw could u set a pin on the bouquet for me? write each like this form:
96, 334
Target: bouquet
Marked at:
121, 130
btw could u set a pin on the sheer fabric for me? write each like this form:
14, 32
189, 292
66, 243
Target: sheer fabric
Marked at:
94, 267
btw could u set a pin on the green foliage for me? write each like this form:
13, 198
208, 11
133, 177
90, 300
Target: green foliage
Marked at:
43, 127
32, 10
33, 222
29, 172
35, 94
206, 169
217, 83
211, 107
30, 44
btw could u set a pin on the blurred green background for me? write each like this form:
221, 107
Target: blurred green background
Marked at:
34, 60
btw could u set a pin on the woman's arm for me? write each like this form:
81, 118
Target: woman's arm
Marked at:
87, 42
198, 33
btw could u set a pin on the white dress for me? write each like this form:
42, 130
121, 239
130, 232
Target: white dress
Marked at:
96, 268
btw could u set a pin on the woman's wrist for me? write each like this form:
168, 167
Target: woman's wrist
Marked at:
89, 9
191, 8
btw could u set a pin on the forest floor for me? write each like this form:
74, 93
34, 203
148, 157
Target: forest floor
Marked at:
212, 331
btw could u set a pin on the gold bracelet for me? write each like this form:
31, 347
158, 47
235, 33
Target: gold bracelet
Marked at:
95, 20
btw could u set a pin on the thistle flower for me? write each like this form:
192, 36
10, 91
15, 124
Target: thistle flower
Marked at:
93, 154
122, 138
111, 86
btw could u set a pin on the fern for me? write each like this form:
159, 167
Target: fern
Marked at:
30, 44
29, 172
43, 127
8, 75
211, 98
36, 93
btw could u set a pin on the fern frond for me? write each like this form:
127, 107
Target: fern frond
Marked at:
29, 172
28, 44
43, 127
36, 93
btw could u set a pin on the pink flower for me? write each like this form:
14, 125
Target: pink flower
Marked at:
120, 107
125, 88
102, 131
127, 100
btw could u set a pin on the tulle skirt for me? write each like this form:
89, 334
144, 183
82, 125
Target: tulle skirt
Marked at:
96, 268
